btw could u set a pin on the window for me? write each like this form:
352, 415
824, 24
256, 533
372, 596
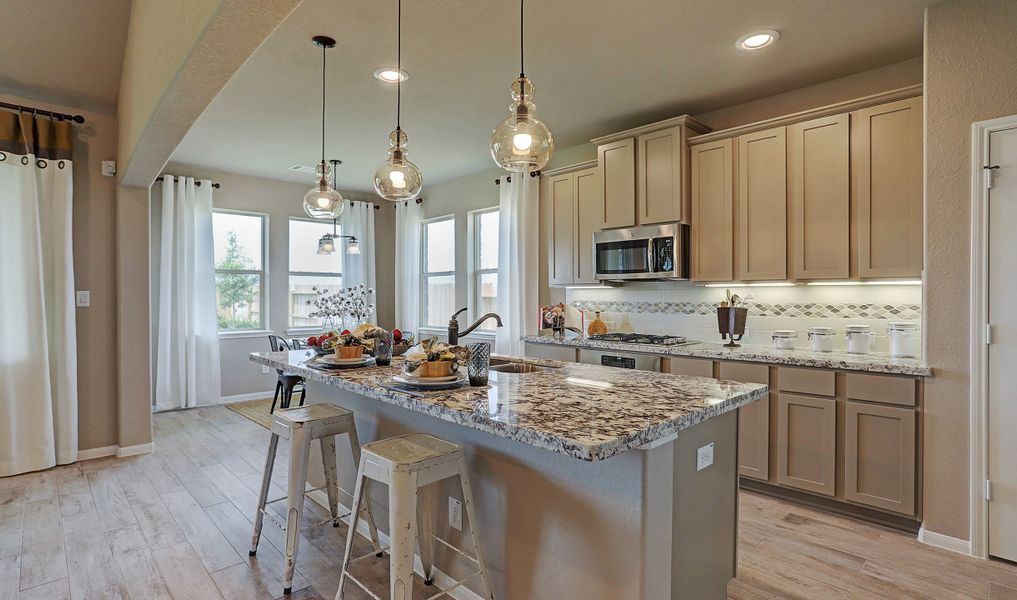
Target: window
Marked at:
438, 280
308, 269
239, 248
484, 262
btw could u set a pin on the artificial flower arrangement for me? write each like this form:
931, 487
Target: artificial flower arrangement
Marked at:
348, 344
355, 302
435, 359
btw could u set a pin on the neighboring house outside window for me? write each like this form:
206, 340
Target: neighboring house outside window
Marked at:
308, 269
484, 265
437, 271
239, 254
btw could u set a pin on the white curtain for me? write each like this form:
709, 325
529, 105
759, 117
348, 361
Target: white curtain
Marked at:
358, 220
517, 261
187, 343
407, 266
38, 356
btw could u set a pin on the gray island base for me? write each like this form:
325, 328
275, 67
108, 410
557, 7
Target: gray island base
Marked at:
585, 477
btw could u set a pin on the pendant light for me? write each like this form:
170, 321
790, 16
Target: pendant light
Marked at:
397, 179
326, 245
522, 143
323, 201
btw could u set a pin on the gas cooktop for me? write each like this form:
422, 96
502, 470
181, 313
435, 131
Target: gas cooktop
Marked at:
641, 338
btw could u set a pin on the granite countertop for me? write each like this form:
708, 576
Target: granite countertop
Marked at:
872, 363
587, 412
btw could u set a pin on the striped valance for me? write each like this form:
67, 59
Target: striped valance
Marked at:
26, 133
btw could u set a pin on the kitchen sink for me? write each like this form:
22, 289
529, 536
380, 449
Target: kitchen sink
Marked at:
504, 366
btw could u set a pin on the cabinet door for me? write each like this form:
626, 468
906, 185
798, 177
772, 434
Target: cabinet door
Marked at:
807, 443
561, 196
712, 211
617, 162
761, 232
753, 421
659, 182
820, 196
879, 456
886, 150
589, 218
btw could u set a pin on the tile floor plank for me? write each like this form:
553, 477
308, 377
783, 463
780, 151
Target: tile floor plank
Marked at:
210, 546
184, 575
154, 519
114, 509
91, 571
55, 590
141, 578
42, 551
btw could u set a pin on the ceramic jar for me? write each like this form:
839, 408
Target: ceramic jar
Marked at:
859, 339
784, 339
903, 339
821, 339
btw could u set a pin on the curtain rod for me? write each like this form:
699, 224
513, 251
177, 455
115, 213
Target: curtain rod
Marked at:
376, 206
43, 112
214, 184
417, 201
508, 178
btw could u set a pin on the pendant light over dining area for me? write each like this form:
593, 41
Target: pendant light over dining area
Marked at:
522, 143
323, 201
397, 179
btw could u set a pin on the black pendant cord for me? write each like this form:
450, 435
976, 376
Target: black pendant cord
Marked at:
522, 70
323, 49
399, 65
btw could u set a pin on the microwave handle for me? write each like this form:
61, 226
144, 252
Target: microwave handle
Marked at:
651, 256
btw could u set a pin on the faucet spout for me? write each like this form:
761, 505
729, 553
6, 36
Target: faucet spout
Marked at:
453, 326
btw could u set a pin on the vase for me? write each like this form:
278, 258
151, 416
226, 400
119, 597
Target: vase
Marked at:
479, 363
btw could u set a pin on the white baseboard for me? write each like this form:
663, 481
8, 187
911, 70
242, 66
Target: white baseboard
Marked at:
124, 451
944, 541
442, 580
90, 453
246, 397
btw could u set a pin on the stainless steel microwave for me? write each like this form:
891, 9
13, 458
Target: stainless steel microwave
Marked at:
649, 252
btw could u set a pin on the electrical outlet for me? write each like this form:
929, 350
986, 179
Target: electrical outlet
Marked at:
265, 369
704, 457
109, 168
83, 298
455, 513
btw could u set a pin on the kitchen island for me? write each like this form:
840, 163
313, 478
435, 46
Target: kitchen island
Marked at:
585, 477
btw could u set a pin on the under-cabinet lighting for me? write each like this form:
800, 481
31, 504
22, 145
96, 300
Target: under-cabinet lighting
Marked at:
886, 282
760, 284
588, 383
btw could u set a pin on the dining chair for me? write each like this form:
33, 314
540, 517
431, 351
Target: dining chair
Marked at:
286, 383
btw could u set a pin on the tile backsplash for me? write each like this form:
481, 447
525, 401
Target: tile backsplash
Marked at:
681, 308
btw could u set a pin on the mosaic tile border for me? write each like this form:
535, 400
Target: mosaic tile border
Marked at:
910, 312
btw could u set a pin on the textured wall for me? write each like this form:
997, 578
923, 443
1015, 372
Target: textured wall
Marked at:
970, 61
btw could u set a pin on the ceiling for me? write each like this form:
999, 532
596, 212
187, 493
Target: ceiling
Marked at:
598, 66
67, 52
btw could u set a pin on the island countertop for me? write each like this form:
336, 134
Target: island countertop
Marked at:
872, 363
587, 412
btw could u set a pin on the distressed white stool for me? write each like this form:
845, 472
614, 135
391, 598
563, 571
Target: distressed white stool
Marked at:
409, 465
322, 422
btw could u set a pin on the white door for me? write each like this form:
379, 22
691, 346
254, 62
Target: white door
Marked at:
1002, 218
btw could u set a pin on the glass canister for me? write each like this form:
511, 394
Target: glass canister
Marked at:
479, 364
821, 339
903, 339
383, 350
784, 339
859, 339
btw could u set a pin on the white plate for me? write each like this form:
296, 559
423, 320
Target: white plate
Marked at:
418, 379
426, 385
332, 359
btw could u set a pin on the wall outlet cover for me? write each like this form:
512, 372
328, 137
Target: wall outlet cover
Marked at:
109, 168
264, 369
455, 513
704, 456
83, 298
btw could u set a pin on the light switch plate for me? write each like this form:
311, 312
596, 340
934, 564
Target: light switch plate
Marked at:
704, 456
264, 369
83, 298
455, 513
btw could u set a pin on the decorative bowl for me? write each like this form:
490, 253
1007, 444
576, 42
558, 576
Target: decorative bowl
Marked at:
400, 348
350, 351
434, 368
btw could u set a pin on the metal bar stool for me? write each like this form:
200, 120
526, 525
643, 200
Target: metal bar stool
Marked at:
322, 422
409, 465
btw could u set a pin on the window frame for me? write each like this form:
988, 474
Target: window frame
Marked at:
263, 274
425, 274
290, 328
473, 263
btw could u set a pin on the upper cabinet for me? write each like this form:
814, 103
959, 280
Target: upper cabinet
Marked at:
886, 154
559, 194
712, 211
573, 209
589, 219
644, 173
761, 230
820, 210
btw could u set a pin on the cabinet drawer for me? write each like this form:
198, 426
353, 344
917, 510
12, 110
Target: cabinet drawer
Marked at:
745, 372
882, 388
678, 365
807, 381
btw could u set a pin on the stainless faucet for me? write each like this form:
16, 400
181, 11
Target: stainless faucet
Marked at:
453, 325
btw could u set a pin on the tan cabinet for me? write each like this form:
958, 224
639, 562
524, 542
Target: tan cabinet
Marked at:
617, 162
879, 456
807, 443
886, 153
560, 195
589, 204
761, 231
820, 220
660, 162
551, 352
679, 365
753, 421
712, 211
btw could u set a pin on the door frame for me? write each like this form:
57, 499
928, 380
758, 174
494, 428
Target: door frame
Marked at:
979, 349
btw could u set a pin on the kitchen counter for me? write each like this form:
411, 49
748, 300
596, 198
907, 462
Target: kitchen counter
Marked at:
872, 363
587, 412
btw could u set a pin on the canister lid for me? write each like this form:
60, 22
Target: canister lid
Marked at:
821, 330
902, 326
857, 329
785, 333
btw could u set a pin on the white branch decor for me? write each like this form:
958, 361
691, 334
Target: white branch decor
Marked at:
355, 302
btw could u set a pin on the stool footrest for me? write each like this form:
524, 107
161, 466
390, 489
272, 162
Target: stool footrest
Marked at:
460, 551
360, 585
369, 554
459, 583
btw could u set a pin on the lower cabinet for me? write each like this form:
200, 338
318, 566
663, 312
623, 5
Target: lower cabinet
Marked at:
879, 456
551, 352
807, 443
753, 421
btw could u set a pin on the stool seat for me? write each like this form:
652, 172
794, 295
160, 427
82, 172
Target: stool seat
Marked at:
313, 413
410, 449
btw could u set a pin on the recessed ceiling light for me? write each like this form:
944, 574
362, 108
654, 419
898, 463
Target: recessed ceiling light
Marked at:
758, 39
390, 75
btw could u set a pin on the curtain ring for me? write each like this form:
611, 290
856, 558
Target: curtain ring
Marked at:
3, 156
60, 165
24, 160
40, 163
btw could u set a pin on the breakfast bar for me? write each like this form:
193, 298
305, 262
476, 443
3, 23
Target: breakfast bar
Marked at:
590, 482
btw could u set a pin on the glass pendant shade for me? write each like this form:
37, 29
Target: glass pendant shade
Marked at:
323, 201
353, 246
397, 179
522, 143
326, 245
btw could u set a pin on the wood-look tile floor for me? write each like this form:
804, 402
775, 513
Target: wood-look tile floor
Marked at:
176, 524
